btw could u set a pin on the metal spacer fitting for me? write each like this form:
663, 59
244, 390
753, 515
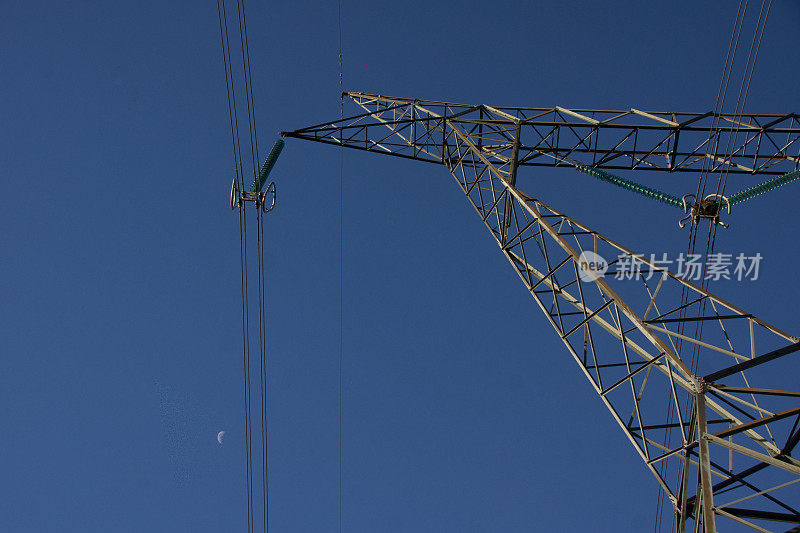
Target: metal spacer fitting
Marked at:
708, 208
264, 200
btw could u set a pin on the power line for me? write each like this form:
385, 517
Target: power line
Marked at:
341, 259
262, 329
239, 172
251, 119
238, 197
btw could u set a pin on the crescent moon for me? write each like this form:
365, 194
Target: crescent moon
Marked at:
219, 436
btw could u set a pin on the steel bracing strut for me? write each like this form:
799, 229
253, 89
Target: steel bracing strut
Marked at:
674, 364
556, 136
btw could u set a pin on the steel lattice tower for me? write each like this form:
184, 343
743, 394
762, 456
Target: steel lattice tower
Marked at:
718, 442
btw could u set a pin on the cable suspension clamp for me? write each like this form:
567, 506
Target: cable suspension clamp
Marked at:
708, 208
264, 200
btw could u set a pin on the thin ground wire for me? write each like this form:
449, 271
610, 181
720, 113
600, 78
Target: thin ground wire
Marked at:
712, 231
715, 118
251, 119
262, 281
259, 250
749, 77
246, 362
250, 84
247, 86
263, 343
731, 141
724, 82
233, 93
743, 102
741, 15
721, 92
228, 92
712, 228
341, 259
737, 33
233, 116
260, 329
719, 102
730, 61
732, 138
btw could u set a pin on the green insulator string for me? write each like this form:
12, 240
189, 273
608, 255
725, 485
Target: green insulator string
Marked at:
767, 186
668, 199
266, 168
631, 186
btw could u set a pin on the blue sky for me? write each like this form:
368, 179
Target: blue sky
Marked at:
462, 412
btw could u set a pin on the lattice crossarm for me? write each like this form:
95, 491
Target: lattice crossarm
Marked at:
681, 393
767, 144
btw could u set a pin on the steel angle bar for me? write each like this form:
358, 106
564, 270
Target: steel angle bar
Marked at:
482, 148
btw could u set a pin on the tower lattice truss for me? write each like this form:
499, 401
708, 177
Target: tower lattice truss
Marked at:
688, 377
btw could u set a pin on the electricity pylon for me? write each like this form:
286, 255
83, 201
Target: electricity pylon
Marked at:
677, 367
